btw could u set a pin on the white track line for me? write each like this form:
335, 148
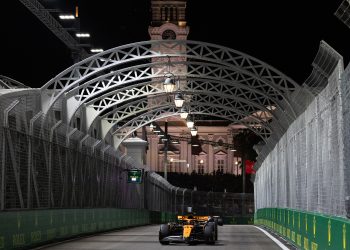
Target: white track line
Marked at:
280, 244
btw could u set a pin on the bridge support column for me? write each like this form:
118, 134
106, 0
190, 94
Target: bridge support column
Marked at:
136, 148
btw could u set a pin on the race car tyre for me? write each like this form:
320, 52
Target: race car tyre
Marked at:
163, 232
220, 222
209, 234
216, 228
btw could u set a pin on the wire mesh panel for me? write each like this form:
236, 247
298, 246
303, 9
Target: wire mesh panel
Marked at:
306, 168
343, 12
345, 94
47, 164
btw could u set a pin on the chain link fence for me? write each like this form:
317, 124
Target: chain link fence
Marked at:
47, 164
307, 169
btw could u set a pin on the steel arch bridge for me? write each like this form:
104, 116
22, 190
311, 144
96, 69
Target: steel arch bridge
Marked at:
120, 91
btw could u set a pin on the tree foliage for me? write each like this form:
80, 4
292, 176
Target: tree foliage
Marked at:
244, 142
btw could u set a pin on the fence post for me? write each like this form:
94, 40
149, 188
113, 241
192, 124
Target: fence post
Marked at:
30, 161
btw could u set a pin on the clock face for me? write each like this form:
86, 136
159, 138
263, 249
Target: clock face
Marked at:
168, 35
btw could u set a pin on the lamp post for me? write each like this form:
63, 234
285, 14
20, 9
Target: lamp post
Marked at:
166, 150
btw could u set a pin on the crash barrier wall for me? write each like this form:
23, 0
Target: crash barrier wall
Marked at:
306, 230
238, 220
157, 217
309, 167
24, 229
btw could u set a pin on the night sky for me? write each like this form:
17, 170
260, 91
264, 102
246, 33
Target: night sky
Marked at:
285, 34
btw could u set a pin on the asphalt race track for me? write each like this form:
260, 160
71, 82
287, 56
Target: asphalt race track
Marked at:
146, 237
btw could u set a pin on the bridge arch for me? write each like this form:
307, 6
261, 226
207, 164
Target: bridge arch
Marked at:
103, 83
166, 111
121, 102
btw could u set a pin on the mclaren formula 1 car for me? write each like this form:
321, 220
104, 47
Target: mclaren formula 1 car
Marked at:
190, 229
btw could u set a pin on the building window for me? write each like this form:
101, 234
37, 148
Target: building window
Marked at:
220, 165
200, 166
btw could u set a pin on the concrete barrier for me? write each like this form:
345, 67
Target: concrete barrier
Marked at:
24, 229
306, 230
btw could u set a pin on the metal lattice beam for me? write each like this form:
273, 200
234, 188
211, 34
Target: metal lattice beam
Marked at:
51, 23
121, 133
233, 83
229, 101
9, 83
234, 115
98, 64
218, 105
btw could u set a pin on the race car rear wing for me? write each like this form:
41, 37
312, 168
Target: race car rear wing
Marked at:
192, 217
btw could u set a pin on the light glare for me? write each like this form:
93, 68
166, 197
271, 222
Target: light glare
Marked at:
82, 35
96, 50
67, 17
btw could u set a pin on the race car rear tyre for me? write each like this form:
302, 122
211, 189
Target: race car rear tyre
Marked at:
216, 228
163, 232
209, 234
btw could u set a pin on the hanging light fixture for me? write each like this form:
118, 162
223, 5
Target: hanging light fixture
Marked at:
184, 112
169, 82
151, 127
179, 100
194, 131
195, 142
189, 122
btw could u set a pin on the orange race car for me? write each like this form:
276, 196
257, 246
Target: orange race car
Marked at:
190, 229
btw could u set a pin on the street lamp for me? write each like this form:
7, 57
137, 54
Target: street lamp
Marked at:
194, 131
195, 142
179, 100
189, 122
166, 151
169, 82
151, 127
184, 112
156, 130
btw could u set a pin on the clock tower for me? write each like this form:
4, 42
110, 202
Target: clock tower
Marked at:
169, 23
168, 20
